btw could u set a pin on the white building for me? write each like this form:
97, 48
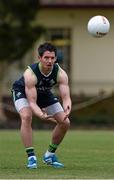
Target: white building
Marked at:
89, 61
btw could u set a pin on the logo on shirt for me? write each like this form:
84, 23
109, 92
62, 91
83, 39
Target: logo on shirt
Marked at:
18, 94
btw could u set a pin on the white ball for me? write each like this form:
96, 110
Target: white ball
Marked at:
98, 26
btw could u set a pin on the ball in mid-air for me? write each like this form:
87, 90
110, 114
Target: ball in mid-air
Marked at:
98, 26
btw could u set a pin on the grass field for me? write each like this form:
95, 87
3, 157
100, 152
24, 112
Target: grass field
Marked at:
85, 154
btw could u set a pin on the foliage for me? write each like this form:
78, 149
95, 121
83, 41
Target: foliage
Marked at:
17, 32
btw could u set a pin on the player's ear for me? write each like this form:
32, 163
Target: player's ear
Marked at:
55, 59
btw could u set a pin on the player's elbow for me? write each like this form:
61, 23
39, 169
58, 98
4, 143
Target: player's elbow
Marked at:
65, 96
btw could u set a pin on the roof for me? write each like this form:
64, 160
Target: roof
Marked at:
77, 3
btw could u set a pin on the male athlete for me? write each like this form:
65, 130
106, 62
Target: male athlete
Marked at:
32, 94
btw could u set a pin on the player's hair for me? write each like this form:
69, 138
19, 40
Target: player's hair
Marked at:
46, 47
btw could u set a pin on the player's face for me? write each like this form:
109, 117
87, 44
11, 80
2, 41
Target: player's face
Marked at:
48, 59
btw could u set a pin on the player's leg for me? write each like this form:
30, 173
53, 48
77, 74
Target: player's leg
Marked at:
61, 128
24, 110
26, 135
57, 135
26, 129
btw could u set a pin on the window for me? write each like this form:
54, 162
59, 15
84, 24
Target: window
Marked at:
61, 38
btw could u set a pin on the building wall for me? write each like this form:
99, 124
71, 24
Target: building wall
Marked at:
92, 59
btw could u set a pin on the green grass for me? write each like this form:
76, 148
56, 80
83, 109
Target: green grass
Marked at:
85, 154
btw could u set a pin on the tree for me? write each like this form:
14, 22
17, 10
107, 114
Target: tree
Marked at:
17, 32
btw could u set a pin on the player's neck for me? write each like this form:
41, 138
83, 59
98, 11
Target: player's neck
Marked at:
44, 70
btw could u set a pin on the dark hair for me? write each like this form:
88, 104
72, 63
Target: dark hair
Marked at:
46, 47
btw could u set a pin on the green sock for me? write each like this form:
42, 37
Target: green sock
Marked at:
52, 148
30, 151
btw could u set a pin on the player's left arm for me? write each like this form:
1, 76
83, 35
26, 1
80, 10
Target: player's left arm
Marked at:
64, 91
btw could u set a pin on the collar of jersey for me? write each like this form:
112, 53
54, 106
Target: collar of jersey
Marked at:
42, 72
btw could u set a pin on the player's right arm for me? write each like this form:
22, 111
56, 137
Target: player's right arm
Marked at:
30, 90
31, 93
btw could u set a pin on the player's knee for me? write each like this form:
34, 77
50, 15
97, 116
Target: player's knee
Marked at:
26, 118
66, 123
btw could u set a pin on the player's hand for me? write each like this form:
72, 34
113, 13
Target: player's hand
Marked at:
46, 117
67, 112
51, 118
